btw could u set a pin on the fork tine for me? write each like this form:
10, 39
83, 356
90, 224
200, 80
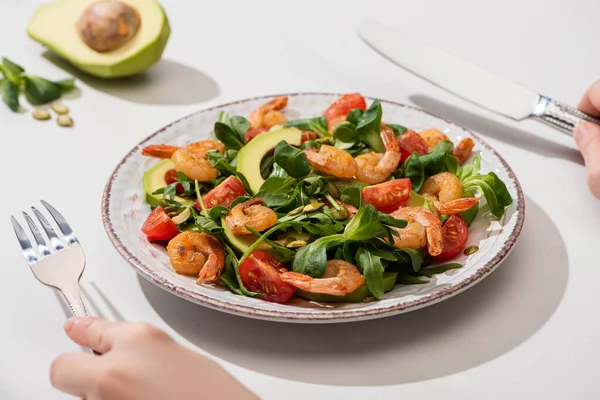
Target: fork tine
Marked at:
24, 242
62, 223
37, 235
54, 239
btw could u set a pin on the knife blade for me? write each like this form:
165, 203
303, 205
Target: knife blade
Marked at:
469, 81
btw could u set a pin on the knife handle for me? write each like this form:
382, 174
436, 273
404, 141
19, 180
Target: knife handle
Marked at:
560, 115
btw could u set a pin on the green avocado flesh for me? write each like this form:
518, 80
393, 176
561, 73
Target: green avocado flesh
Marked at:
154, 179
241, 243
389, 280
54, 25
251, 155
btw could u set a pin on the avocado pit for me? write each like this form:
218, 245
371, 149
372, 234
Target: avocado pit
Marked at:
108, 25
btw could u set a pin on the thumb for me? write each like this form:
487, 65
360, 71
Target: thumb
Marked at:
587, 137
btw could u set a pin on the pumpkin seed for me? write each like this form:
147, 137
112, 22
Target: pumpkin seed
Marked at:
41, 115
64, 120
59, 108
296, 244
314, 206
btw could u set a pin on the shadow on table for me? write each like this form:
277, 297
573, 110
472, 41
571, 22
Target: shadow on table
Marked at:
166, 83
465, 331
498, 131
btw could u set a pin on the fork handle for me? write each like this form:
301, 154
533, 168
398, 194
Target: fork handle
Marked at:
75, 301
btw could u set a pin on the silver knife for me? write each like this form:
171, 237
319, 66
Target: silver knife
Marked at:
468, 81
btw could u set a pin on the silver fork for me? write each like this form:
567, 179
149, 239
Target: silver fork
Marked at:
59, 265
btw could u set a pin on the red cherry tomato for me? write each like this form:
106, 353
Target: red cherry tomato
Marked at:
171, 177
260, 272
456, 234
252, 133
339, 109
308, 135
388, 196
159, 226
222, 195
410, 142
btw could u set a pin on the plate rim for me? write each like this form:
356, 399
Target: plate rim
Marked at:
322, 316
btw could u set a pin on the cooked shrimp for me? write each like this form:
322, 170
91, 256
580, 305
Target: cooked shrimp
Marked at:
257, 117
250, 213
455, 206
340, 278
463, 149
273, 118
195, 253
332, 161
433, 137
412, 236
377, 167
444, 186
190, 160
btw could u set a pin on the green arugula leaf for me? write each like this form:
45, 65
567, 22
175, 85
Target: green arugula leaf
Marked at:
352, 195
292, 160
66, 85
10, 95
470, 169
317, 125
228, 136
438, 161
40, 90
365, 225
222, 162
240, 125
312, 259
430, 271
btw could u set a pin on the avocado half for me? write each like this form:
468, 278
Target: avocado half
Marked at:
54, 25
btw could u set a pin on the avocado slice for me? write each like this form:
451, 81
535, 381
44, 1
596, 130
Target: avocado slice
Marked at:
250, 156
241, 243
358, 295
154, 179
56, 25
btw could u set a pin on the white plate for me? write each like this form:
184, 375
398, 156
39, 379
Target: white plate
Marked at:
124, 211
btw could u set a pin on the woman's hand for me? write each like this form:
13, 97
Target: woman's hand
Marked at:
587, 137
138, 361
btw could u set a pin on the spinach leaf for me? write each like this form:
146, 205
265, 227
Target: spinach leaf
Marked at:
312, 259
369, 127
445, 146
365, 225
228, 136
438, 161
205, 224
266, 166
493, 189
240, 125
317, 125
407, 279
278, 171
292, 160
275, 191
280, 252
65, 85
354, 116
372, 268
413, 169
470, 169
387, 219
314, 185
12, 71
10, 95
398, 129
351, 195
345, 135
40, 91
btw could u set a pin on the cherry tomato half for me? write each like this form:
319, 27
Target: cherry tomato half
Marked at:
222, 195
171, 177
410, 142
456, 234
260, 272
388, 196
252, 133
339, 109
159, 226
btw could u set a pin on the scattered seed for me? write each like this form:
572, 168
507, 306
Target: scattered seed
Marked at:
296, 211
64, 120
59, 108
182, 217
314, 206
41, 115
296, 244
471, 250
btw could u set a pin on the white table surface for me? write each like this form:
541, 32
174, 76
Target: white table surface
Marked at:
530, 330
